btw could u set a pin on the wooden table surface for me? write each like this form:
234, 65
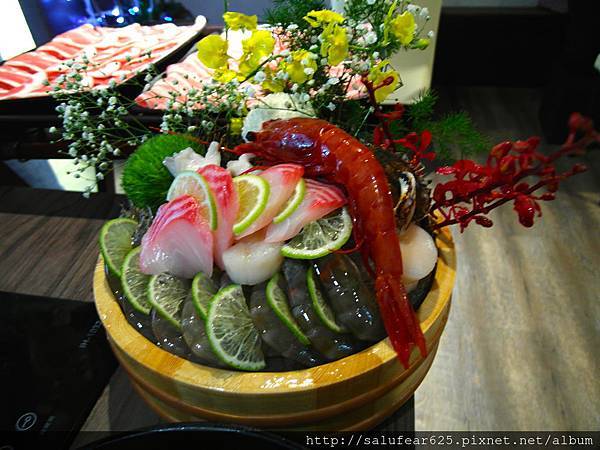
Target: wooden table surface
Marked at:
521, 350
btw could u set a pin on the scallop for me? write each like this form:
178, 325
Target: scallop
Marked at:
419, 254
252, 260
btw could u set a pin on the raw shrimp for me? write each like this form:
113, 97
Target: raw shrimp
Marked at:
331, 345
194, 334
351, 300
168, 337
275, 334
329, 152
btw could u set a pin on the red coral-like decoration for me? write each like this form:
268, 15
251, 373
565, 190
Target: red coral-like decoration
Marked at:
477, 189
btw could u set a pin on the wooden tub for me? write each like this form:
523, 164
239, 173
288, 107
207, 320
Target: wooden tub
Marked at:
354, 393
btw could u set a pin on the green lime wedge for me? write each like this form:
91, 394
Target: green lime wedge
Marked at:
320, 237
320, 304
134, 282
230, 330
194, 184
166, 293
278, 302
203, 290
253, 195
115, 242
293, 202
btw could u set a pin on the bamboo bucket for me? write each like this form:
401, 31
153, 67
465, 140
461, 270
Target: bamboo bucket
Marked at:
354, 393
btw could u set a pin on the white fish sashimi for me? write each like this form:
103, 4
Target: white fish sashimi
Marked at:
252, 260
179, 241
282, 180
320, 200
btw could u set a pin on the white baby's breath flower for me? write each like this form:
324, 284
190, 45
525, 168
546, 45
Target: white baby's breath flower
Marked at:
333, 81
330, 106
309, 71
371, 37
431, 34
260, 76
292, 27
371, 2
424, 12
52, 130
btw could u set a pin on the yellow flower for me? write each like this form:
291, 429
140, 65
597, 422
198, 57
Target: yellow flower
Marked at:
235, 125
271, 83
257, 47
323, 17
302, 67
212, 51
224, 76
378, 75
334, 44
237, 21
403, 27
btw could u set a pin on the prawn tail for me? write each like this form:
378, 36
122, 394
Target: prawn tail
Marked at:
400, 322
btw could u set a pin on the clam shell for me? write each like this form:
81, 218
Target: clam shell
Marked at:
405, 209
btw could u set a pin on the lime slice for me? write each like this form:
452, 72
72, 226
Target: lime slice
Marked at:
115, 242
278, 302
203, 290
320, 304
253, 195
293, 202
134, 282
166, 293
194, 184
320, 237
230, 330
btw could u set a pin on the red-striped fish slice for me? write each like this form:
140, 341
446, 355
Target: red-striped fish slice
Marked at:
282, 180
320, 199
221, 184
179, 241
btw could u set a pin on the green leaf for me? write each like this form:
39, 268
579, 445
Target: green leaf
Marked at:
145, 178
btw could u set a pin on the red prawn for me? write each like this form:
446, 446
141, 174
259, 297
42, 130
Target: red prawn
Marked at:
328, 152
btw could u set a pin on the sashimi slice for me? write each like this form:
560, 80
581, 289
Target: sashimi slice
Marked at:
320, 200
282, 179
179, 241
221, 185
252, 260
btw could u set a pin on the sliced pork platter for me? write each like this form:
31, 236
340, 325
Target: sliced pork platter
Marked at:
113, 54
